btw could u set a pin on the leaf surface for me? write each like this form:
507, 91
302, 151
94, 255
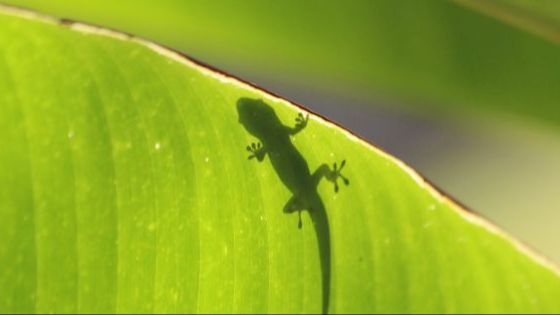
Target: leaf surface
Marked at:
125, 186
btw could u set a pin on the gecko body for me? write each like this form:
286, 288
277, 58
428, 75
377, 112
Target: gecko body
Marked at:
261, 121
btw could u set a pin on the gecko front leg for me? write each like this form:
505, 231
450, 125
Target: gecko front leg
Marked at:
257, 151
301, 123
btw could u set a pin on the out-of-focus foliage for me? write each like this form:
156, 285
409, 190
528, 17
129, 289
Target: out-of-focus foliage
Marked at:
540, 17
435, 52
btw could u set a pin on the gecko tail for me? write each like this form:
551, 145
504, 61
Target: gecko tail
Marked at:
322, 232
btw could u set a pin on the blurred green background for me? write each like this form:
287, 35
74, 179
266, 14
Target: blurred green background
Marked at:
466, 99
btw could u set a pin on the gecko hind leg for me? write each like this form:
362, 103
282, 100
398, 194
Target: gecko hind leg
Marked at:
294, 204
332, 175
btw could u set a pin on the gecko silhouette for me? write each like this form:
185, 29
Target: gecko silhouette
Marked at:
260, 120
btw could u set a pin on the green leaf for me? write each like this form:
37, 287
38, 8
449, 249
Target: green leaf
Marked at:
427, 55
125, 186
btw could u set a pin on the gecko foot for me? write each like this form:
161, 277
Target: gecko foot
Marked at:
335, 174
301, 121
256, 150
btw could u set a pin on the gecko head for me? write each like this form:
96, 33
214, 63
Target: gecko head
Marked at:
257, 116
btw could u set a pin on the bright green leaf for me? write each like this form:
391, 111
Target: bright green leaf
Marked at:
417, 53
125, 187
